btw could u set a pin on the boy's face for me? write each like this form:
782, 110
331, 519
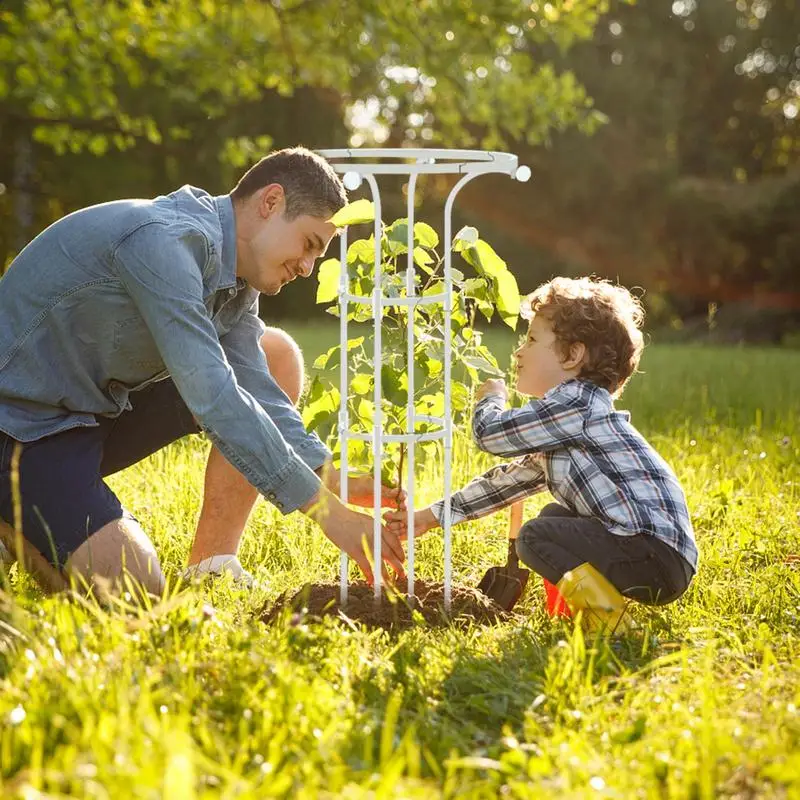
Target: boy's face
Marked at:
539, 364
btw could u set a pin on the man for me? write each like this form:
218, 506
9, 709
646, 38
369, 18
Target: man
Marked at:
130, 324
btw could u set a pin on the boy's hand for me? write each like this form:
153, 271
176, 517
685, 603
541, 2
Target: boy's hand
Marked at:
396, 522
492, 386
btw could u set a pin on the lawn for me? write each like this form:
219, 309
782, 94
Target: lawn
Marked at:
196, 697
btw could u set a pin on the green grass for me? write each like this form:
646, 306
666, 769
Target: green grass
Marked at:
182, 701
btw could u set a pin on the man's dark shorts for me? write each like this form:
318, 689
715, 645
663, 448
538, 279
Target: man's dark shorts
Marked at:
64, 498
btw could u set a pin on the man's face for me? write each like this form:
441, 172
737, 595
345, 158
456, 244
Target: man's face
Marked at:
539, 363
272, 251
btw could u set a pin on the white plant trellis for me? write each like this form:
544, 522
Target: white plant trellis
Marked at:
357, 165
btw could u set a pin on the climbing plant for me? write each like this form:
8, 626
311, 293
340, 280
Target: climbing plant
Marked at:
482, 286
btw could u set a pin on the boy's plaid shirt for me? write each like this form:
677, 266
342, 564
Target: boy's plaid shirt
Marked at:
574, 443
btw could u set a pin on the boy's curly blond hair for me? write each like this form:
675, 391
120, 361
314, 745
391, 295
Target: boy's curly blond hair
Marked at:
605, 318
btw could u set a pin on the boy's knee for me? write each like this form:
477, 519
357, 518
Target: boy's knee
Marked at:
119, 549
534, 549
285, 362
525, 543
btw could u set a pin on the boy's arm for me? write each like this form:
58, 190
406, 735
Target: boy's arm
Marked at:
499, 487
540, 426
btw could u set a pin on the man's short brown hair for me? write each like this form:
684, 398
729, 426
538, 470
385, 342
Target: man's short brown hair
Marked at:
605, 318
309, 182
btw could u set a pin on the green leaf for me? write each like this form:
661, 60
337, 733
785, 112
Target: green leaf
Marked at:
482, 365
484, 259
632, 733
328, 278
316, 391
484, 352
365, 410
459, 396
431, 404
466, 237
393, 248
354, 213
476, 288
322, 361
321, 411
358, 453
394, 385
389, 472
425, 235
507, 298
459, 316
431, 366
361, 383
398, 232
437, 287
362, 251
353, 343
486, 307
423, 259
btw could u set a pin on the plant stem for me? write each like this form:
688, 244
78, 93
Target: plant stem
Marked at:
400, 467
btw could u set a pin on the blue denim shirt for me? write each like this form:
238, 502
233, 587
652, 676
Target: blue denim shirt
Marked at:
113, 297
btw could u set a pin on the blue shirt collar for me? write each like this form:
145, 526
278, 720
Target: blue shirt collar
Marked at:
227, 222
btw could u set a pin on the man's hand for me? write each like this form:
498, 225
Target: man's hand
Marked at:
352, 532
492, 386
397, 522
361, 490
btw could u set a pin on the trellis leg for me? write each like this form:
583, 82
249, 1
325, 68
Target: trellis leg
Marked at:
410, 408
377, 358
448, 417
344, 390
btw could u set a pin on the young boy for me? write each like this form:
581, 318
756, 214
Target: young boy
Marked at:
619, 527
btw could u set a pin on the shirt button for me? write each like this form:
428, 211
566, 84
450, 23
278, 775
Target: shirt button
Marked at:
231, 291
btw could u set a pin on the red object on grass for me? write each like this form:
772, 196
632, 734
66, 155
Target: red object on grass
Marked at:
556, 604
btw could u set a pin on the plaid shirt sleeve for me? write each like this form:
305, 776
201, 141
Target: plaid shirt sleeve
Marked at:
499, 487
552, 423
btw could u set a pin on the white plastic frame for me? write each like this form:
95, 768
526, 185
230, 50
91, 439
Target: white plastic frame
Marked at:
356, 165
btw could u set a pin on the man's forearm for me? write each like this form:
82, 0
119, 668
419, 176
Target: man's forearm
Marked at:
329, 476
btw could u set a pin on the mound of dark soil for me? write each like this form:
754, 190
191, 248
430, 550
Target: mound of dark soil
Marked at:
394, 611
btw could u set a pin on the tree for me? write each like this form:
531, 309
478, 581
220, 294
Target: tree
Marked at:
90, 76
696, 97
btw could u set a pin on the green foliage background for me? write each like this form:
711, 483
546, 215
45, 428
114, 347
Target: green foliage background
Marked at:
687, 185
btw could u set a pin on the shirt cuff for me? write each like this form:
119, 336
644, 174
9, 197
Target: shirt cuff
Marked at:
437, 509
293, 486
493, 398
314, 453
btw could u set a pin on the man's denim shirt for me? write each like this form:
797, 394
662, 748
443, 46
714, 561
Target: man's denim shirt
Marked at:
116, 296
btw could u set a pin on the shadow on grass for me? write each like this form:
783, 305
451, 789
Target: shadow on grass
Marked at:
465, 688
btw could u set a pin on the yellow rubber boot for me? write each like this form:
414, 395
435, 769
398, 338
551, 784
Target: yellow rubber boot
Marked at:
586, 590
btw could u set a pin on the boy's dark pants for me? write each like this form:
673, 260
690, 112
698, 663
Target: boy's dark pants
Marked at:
640, 567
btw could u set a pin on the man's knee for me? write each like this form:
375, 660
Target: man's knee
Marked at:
50, 578
285, 362
119, 548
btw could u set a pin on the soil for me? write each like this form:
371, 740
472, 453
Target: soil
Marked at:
394, 611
